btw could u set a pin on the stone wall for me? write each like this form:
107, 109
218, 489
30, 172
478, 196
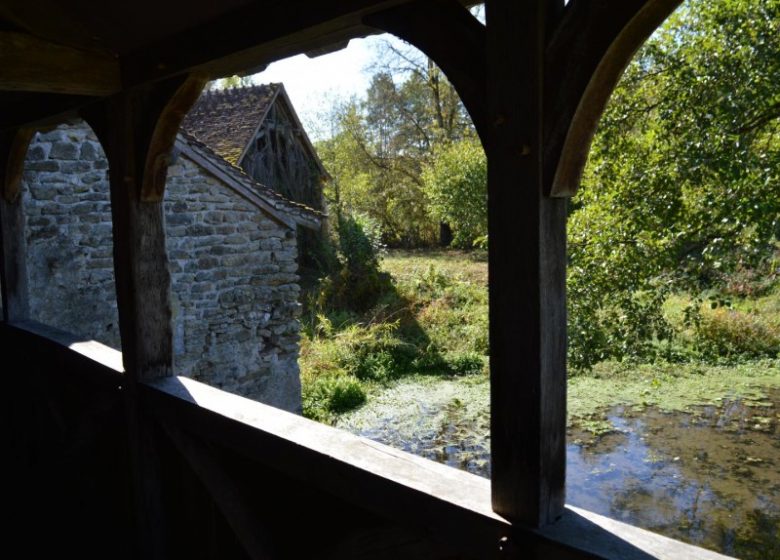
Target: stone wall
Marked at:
68, 234
233, 269
234, 278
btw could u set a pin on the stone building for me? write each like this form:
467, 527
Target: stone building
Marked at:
232, 240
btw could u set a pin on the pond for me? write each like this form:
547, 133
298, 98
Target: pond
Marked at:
710, 476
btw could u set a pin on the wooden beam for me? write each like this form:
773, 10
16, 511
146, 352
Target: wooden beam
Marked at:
587, 53
253, 35
14, 150
158, 157
126, 125
37, 110
527, 263
454, 39
28, 63
13, 246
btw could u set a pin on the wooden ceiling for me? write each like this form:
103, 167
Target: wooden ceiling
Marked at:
57, 56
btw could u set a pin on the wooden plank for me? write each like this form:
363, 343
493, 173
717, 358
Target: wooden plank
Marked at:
587, 52
596, 534
225, 493
406, 488
93, 362
13, 246
527, 259
32, 64
448, 504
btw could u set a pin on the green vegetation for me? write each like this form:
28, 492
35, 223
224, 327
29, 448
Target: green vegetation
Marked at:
433, 326
432, 320
456, 186
682, 188
674, 253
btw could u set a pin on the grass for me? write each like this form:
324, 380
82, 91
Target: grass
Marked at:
433, 326
433, 323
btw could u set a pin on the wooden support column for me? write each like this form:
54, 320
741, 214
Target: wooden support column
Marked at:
137, 129
527, 260
13, 248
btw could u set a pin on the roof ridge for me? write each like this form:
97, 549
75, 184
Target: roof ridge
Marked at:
262, 190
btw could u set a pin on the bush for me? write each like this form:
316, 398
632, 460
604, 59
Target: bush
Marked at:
359, 283
727, 333
467, 363
374, 352
327, 395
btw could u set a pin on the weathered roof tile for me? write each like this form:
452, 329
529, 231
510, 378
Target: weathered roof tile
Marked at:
226, 119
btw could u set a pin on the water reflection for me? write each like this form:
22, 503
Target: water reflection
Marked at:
710, 477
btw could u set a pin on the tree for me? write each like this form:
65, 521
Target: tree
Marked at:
682, 187
380, 146
456, 186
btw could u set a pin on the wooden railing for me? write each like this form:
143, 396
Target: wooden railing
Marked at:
213, 431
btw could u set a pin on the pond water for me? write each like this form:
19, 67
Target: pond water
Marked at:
710, 476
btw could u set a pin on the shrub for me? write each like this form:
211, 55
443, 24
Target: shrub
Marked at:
358, 283
374, 352
727, 333
467, 363
327, 395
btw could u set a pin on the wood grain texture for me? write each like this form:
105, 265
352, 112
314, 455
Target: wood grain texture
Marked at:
125, 124
527, 260
13, 246
158, 156
32, 64
445, 503
589, 49
251, 36
225, 493
14, 146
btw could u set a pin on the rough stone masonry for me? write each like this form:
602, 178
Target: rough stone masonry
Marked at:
234, 279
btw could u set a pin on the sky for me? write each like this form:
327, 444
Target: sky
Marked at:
315, 84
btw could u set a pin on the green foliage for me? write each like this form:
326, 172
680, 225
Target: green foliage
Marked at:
358, 283
456, 186
729, 333
433, 321
379, 146
325, 396
682, 188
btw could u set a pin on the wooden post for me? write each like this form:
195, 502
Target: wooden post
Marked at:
13, 247
137, 129
527, 260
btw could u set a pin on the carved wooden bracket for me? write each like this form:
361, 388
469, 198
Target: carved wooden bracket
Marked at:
584, 59
158, 156
155, 114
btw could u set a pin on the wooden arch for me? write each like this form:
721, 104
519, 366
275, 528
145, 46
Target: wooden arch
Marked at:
587, 48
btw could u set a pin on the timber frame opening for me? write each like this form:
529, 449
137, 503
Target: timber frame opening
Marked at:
535, 79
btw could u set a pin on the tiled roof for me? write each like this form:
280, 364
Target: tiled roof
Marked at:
297, 212
227, 119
